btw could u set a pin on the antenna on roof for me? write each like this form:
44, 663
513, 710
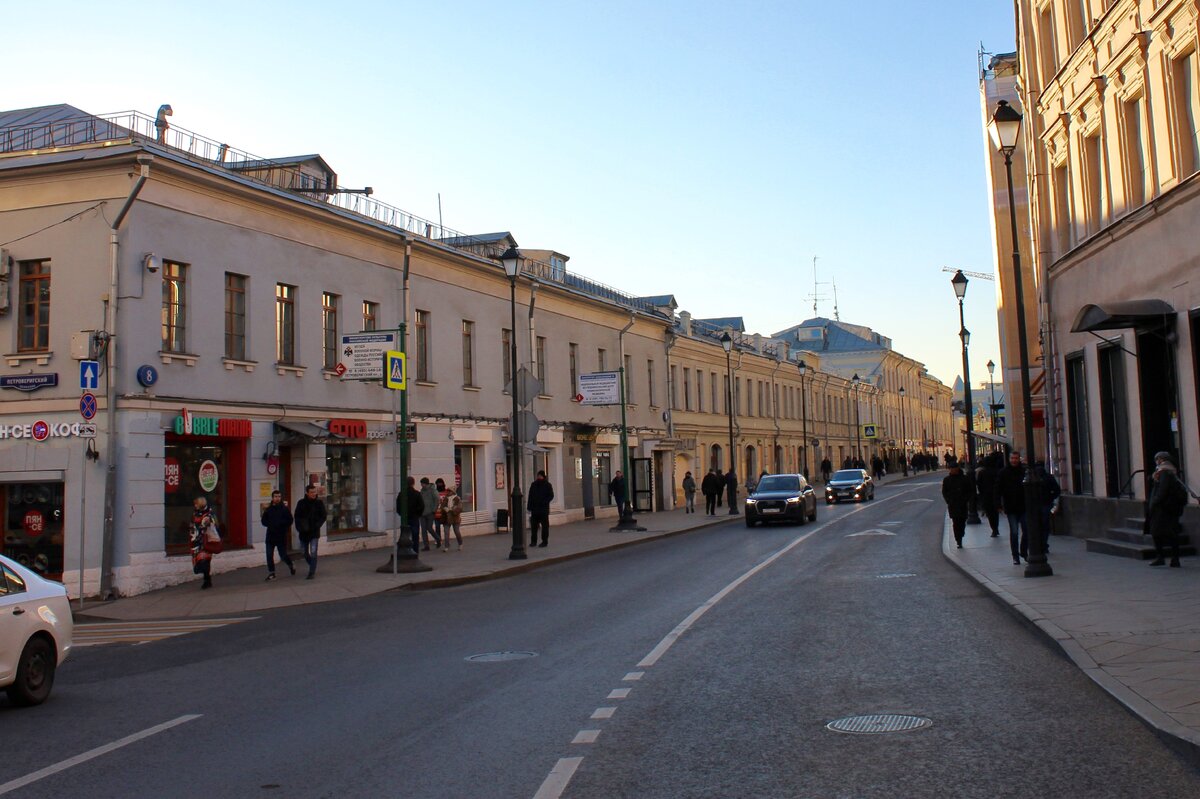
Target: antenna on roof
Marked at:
815, 295
440, 224
836, 316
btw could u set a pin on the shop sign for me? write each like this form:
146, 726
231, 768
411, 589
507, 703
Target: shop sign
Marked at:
41, 430
188, 425
172, 472
34, 523
208, 476
29, 382
348, 428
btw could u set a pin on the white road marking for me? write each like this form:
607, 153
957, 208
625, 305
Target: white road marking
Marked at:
556, 781
619, 693
891, 524
586, 737
873, 531
918, 500
667, 642
604, 712
21, 782
634, 676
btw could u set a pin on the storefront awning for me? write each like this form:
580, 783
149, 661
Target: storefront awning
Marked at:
989, 437
304, 432
1117, 315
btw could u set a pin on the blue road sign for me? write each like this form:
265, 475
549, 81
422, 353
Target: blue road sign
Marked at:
89, 375
87, 406
147, 375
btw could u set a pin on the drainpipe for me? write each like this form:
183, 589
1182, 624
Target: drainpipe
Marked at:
668, 345
110, 393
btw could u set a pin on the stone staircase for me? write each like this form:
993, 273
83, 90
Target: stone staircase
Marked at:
1128, 541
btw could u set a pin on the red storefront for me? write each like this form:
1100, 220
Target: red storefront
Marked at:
205, 456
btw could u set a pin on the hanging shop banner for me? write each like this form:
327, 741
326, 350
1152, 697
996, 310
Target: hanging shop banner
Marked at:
600, 388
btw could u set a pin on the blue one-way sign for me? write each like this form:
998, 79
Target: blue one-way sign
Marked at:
89, 375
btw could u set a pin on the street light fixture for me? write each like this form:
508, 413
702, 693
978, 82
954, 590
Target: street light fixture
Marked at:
727, 345
932, 428
959, 282
857, 420
903, 437
1005, 129
511, 259
803, 367
991, 367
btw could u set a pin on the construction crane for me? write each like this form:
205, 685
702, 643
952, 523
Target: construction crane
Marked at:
980, 275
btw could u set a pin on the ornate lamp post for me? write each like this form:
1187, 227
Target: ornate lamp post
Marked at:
903, 437
932, 428
1005, 129
991, 367
727, 345
512, 267
959, 282
803, 367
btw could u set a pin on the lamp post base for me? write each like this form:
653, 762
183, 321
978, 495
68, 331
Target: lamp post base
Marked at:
627, 523
404, 566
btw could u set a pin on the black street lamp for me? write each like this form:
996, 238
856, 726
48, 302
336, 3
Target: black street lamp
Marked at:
727, 345
959, 282
903, 437
1005, 129
803, 367
511, 259
932, 429
991, 367
855, 381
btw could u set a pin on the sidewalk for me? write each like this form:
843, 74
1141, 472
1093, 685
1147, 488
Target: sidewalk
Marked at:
1135, 630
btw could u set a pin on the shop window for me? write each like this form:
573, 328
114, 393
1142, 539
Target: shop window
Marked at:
33, 323
33, 526
346, 496
190, 471
602, 469
464, 477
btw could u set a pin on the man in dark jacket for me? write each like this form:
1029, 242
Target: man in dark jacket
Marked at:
710, 487
410, 517
278, 520
1010, 500
985, 482
1168, 498
731, 491
541, 493
616, 491
310, 515
957, 491
826, 469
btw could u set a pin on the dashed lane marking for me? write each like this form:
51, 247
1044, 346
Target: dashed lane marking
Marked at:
141, 632
619, 693
634, 676
586, 737
604, 712
556, 781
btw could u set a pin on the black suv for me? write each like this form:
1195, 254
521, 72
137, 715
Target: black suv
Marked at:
781, 498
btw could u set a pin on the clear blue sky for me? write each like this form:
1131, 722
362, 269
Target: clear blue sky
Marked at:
709, 150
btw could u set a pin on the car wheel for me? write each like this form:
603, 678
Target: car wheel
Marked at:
803, 518
749, 522
813, 516
35, 674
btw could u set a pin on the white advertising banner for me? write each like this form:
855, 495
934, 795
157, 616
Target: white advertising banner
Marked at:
600, 388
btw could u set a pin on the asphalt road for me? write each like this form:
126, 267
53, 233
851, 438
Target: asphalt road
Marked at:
703, 665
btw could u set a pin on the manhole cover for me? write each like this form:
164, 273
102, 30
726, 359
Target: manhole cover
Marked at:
887, 722
895, 575
497, 657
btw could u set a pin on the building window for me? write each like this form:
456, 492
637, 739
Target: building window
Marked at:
540, 363
1047, 46
1093, 188
285, 324
687, 389
506, 355
468, 350
420, 347
650, 398
33, 325
713, 383
1062, 209
235, 316
674, 387
370, 312
1187, 112
1135, 154
699, 391
1078, 437
174, 307
601, 359
573, 365
329, 329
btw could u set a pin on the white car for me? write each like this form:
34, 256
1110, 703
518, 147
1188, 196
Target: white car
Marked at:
35, 632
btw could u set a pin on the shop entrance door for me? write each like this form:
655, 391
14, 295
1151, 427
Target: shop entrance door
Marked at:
643, 486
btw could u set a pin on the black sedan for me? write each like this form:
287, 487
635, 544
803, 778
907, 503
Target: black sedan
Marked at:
780, 498
849, 485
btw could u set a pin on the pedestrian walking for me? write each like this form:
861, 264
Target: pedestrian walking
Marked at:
451, 508
277, 518
309, 517
826, 469
439, 519
689, 493
205, 540
541, 494
616, 491
711, 486
957, 491
731, 487
1050, 493
985, 483
429, 503
416, 509
1010, 500
1168, 498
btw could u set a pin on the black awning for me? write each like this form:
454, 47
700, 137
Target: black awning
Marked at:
1129, 313
292, 432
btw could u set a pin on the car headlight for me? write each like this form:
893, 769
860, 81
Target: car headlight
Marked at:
793, 500
750, 503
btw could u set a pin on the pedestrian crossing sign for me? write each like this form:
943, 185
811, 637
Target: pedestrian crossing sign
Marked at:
394, 371
870, 431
